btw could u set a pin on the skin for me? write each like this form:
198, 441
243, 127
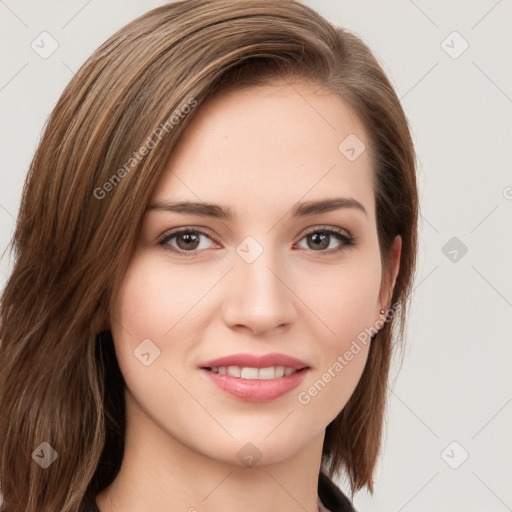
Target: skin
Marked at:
258, 151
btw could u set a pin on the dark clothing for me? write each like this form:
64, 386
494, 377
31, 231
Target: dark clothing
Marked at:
330, 495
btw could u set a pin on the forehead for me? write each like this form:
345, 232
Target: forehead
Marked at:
264, 147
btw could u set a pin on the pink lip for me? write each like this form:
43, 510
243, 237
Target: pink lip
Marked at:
255, 361
256, 390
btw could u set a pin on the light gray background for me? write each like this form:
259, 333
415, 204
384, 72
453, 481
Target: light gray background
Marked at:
454, 384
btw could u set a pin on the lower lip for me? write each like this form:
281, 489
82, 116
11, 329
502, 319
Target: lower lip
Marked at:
256, 390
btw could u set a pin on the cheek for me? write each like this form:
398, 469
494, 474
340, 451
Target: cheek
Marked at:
156, 302
142, 310
348, 304
344, 299
138, 307
354, 303
154, 322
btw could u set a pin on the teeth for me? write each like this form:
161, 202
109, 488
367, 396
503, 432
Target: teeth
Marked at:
249, 373
234, 371
272, 372
264, 373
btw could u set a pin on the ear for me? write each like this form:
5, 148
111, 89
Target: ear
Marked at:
389, 279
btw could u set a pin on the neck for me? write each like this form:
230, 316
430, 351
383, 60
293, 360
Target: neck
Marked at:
161, 474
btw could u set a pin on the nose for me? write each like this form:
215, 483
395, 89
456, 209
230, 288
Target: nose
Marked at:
258, 296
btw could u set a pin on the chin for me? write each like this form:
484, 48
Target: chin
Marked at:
257, 449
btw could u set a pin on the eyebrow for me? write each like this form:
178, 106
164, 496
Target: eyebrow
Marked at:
299, 210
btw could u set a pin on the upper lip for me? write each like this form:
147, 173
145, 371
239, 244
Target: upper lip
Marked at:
256, 361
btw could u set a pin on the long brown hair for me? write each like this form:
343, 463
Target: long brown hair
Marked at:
83, 202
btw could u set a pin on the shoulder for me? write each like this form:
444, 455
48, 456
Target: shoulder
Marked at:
332, 497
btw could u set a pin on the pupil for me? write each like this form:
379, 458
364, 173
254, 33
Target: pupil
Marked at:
320, 239
188, 238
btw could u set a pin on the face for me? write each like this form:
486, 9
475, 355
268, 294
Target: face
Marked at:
249, 327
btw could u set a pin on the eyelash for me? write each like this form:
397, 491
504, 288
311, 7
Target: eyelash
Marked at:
346, 239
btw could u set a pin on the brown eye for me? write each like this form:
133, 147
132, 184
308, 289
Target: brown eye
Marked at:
318, 241
321, 240
185, 241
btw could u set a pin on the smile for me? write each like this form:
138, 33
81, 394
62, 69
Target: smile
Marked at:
255, 377
271, 372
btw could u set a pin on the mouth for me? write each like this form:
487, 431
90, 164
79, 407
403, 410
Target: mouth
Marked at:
255, 378
246, 372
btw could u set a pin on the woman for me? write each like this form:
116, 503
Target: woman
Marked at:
216, 233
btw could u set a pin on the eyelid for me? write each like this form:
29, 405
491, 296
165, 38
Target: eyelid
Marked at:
346, 239
348, 242
184, 229
324, 227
